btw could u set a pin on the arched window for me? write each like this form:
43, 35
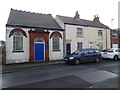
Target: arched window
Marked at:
56, 42
39, 39
18, 41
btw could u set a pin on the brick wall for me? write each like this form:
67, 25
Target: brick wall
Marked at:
33, 36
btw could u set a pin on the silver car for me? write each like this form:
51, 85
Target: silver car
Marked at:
112, 53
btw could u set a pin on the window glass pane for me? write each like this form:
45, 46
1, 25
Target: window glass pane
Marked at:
100, 46
39, 39
114, 35
18, 41
79, 32
100, 34
55, 42
79, 45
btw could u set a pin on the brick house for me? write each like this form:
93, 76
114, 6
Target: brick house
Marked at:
32, 37
115, 38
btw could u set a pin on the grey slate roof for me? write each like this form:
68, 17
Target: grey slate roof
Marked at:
28, 19
81, 22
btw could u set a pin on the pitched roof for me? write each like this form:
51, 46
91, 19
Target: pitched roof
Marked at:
81, 22
28, 19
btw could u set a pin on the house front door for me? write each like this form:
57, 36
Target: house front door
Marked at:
90, 44
39, 52
68, 48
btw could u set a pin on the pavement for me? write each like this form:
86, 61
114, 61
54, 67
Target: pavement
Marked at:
25, 66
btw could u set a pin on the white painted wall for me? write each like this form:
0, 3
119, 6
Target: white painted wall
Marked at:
56, 55
58, 20
90, 34
16, 57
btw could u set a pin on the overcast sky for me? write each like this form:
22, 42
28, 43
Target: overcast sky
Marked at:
106, 10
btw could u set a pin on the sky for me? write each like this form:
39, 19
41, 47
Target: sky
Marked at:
107, 10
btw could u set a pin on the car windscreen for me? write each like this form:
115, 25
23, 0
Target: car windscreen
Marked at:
77, 52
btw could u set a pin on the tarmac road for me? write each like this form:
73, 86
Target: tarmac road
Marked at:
86, 75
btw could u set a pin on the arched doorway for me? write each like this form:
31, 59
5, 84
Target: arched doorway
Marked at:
39, 49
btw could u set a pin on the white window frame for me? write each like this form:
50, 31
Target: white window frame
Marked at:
79, 45
91, 44
79, 32
55, 43
100, 45
115, 35
17, 41
100, 34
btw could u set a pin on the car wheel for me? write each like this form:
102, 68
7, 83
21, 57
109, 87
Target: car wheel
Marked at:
97, 60
115, 57
77, 62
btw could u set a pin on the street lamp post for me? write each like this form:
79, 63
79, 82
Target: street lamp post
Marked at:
112, 32
112, 23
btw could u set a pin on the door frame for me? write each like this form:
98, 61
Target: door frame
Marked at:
66, 47
34, 50
91, 44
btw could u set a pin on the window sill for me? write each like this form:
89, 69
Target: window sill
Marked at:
100, 38
17, 51
79, 36
55, 50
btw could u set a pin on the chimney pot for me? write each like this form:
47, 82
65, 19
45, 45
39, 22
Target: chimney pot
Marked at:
77, 16
96, 18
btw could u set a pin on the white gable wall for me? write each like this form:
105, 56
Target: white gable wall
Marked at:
56, 55
16, 57
59, 22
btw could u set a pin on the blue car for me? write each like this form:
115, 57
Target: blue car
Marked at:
83, 55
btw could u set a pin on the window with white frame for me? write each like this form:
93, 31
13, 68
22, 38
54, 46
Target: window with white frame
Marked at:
114, 35
79, 45
56, 42
100, 34
18, 41
100, 45
79, 32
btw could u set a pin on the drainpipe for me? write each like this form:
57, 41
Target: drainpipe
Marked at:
106, 38
64, 42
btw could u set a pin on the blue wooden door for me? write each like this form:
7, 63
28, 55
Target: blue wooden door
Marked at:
39, 51
68, 48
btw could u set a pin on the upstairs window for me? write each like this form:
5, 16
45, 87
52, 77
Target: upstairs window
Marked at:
56, 42
114, 35
17, 41
100, 34
79, 32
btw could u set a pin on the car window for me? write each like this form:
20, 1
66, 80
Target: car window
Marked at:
77, 52
117, 50
86, 52
97, 51
91, 51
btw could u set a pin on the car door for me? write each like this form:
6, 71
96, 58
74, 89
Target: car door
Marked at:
85, 56
119, 53
92, 55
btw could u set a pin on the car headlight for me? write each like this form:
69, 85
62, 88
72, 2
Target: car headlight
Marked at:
71, 58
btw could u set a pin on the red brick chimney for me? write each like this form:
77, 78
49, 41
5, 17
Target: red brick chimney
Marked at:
77, 16
96, 18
